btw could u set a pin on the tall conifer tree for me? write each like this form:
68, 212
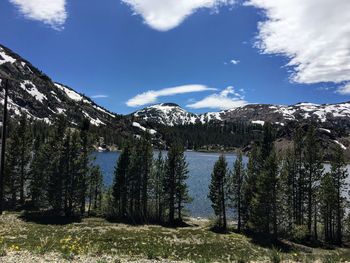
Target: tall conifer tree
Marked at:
236, 195
218, 191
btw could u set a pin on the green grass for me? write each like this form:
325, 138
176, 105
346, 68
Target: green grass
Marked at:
96, 236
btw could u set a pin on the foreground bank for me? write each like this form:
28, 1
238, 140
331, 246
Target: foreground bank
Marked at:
97, 240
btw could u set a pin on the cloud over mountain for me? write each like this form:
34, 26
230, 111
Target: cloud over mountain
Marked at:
226, 99
152, 96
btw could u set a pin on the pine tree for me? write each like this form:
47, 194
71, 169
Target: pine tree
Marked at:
250, 184
339, 175
267, 141
181, 190
300, 188
236, 195
38, 174
84, 129
120, 185
12, 169
54, 167
131, 181
218, 191
134, 182
95, 189
146, 162
174, 183
24, 147
157, 194
313, 170
75, 174
264, 203
68, 187
328, 196
287, 193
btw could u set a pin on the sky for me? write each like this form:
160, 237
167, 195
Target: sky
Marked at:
205, 55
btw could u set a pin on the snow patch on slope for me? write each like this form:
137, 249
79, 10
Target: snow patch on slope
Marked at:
96, 122
259, 122
4, 58
325, 130
138, 125
29, 87
103, 110
70, 93
340, 144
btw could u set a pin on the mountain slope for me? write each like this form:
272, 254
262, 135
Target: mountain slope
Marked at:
331, 120
329, 115
35, 94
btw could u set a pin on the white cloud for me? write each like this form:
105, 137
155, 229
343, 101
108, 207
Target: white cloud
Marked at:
50, 12
344, 89
226, 99
234, 61
313, 34
152, 96
164, 15
99, 96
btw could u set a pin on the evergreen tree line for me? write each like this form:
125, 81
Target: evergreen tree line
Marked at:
291, 197
147, 189
199, 136
49, 168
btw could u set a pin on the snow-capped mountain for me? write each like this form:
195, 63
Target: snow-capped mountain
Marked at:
35, 94
324, 114
167, 114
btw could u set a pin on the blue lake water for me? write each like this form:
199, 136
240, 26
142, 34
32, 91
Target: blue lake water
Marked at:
200, 166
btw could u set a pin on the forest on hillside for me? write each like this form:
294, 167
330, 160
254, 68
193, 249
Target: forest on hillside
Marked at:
49, 173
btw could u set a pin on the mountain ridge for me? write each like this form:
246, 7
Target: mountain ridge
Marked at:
171, 114
34, 93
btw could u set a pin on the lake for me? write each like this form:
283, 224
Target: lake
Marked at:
200, 166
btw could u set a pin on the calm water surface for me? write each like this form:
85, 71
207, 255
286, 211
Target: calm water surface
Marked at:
200, 166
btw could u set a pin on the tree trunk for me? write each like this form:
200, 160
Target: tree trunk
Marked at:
179, 209
21, 193
172, 199
239, 214
309, 215
223, 206
339, 227
315, 222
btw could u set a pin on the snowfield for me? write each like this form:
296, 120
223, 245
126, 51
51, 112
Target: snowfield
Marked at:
4, 58
138, 125
70, 93
29, 87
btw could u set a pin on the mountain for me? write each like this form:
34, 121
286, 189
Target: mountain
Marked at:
35, 94
168, 114
171, 114
331, 120
329, 115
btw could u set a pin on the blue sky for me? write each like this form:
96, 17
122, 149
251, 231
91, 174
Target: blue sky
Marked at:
205, 55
